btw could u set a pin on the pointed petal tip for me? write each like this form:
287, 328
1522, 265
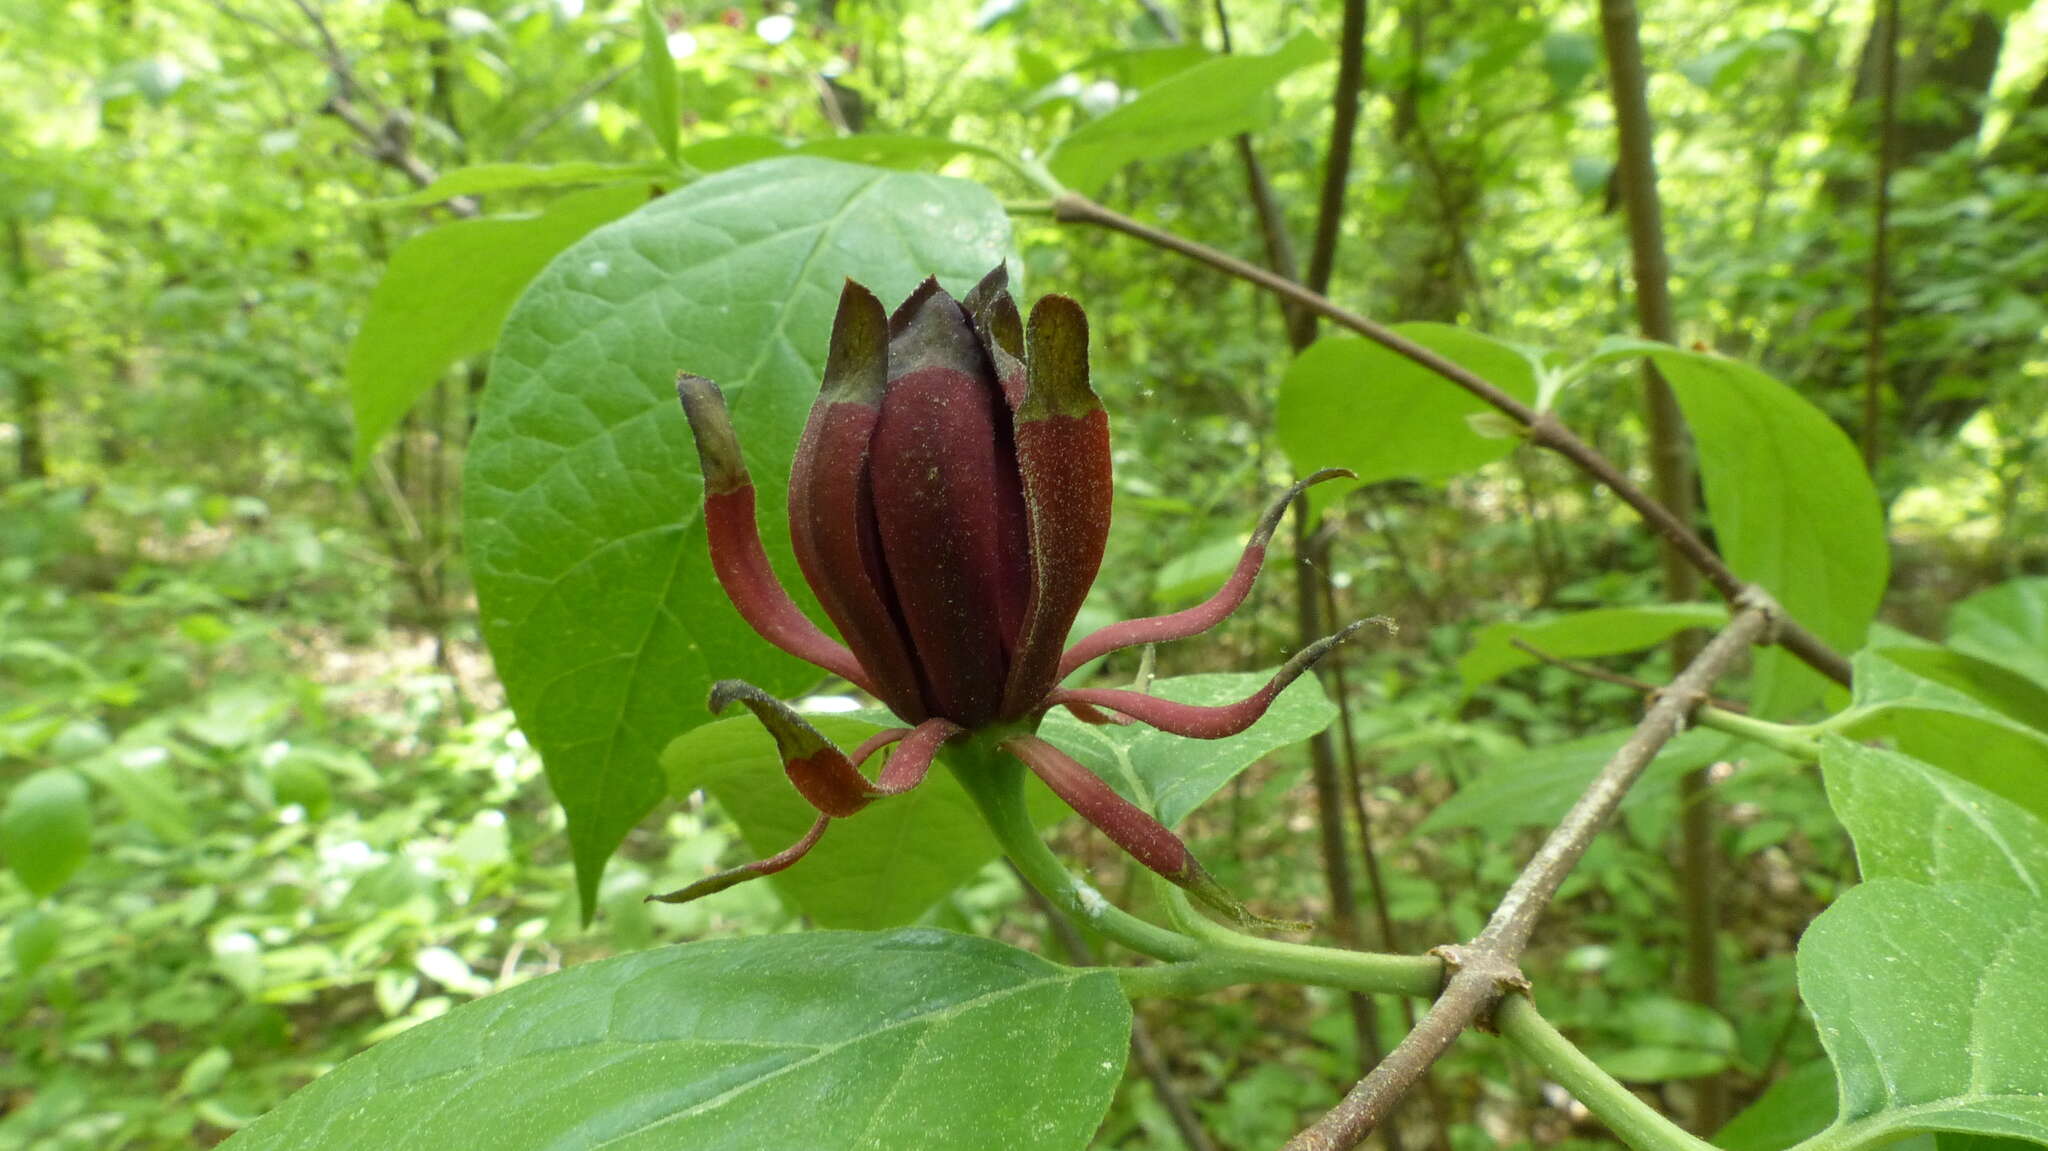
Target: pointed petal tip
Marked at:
914, 303
857, 360
731, 876
718, 446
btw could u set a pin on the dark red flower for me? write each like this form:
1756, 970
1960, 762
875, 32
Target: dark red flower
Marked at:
949, 505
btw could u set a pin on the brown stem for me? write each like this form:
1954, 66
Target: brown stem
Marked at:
1330, 795
30, 395
1487, 968
1672, 480
1541, 429
1356, 780
1881, 209
1322, 255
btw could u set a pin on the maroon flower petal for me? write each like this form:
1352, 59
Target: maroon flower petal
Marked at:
950, 513
1128, 825
821, 772
875, 743
1194, 720
832, 520
712, 884
1063, 457
1001, 329
736, 553
912, 759
1203, 616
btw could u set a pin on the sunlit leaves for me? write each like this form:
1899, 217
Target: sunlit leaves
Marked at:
1599, 631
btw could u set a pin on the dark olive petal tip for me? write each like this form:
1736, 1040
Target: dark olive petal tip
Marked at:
718, 446
857, 361
1056, 356
1270, 522
913, 304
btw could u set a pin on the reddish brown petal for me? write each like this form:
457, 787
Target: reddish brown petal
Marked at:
950, 517
875, 743
713, 884
821, 772
912, 759
1194, 720
1097, 716
1062, 437
1001, 329
1209, 613
831, 509
735, 539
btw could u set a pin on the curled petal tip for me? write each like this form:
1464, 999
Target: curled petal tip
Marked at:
1204, 887
857, 360
817, 768
718, 446
1270, 522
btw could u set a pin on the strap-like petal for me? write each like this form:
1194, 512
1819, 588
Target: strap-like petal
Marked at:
832, 522
1207, 614
1149, 841
912, 760
712, 884
1195, 720
735, 539
1063, 459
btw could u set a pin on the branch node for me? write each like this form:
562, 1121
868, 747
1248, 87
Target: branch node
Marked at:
1754, 596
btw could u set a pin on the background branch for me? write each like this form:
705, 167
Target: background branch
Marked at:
1488, 967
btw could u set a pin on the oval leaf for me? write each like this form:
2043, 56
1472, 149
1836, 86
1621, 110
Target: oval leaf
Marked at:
46, 828
1601, 631
1792, 509
821, 1040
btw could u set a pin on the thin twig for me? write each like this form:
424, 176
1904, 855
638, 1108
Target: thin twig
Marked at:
1541, 428
1594, 671
1322, 255
1488, 967
1880, 224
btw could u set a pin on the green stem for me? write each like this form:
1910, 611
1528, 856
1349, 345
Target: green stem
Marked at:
1791, 739
1203, 955
1637, 1123
995, 781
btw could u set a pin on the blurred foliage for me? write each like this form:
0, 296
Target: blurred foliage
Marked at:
247, 668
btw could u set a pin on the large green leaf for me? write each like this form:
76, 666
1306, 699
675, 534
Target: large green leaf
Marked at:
825, 1040
1601, 631
1213, 100
1348, 402
2007, 625
1951, 730
445, 295
46, 828
1931, 1002
1170, 775
881, 868
660, 99
479, 179
1994, 685
1916, 822
1792, 509
581, 493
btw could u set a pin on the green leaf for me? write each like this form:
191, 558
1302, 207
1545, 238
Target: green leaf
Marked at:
46, 828
1792, 509
33, 940
881, 868
1195, 575
1916, 822
1601, 631
1932, 1001
1171, 776
1568, 58
1536, 789
2007, 625
1213, 100
478, 179
1797, 1106
660, 105
445, 295
823, 1040
1348, 402
1992, 684
1950, 730
581, 492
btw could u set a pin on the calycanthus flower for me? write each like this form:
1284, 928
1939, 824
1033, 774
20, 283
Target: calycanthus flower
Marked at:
949, 506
